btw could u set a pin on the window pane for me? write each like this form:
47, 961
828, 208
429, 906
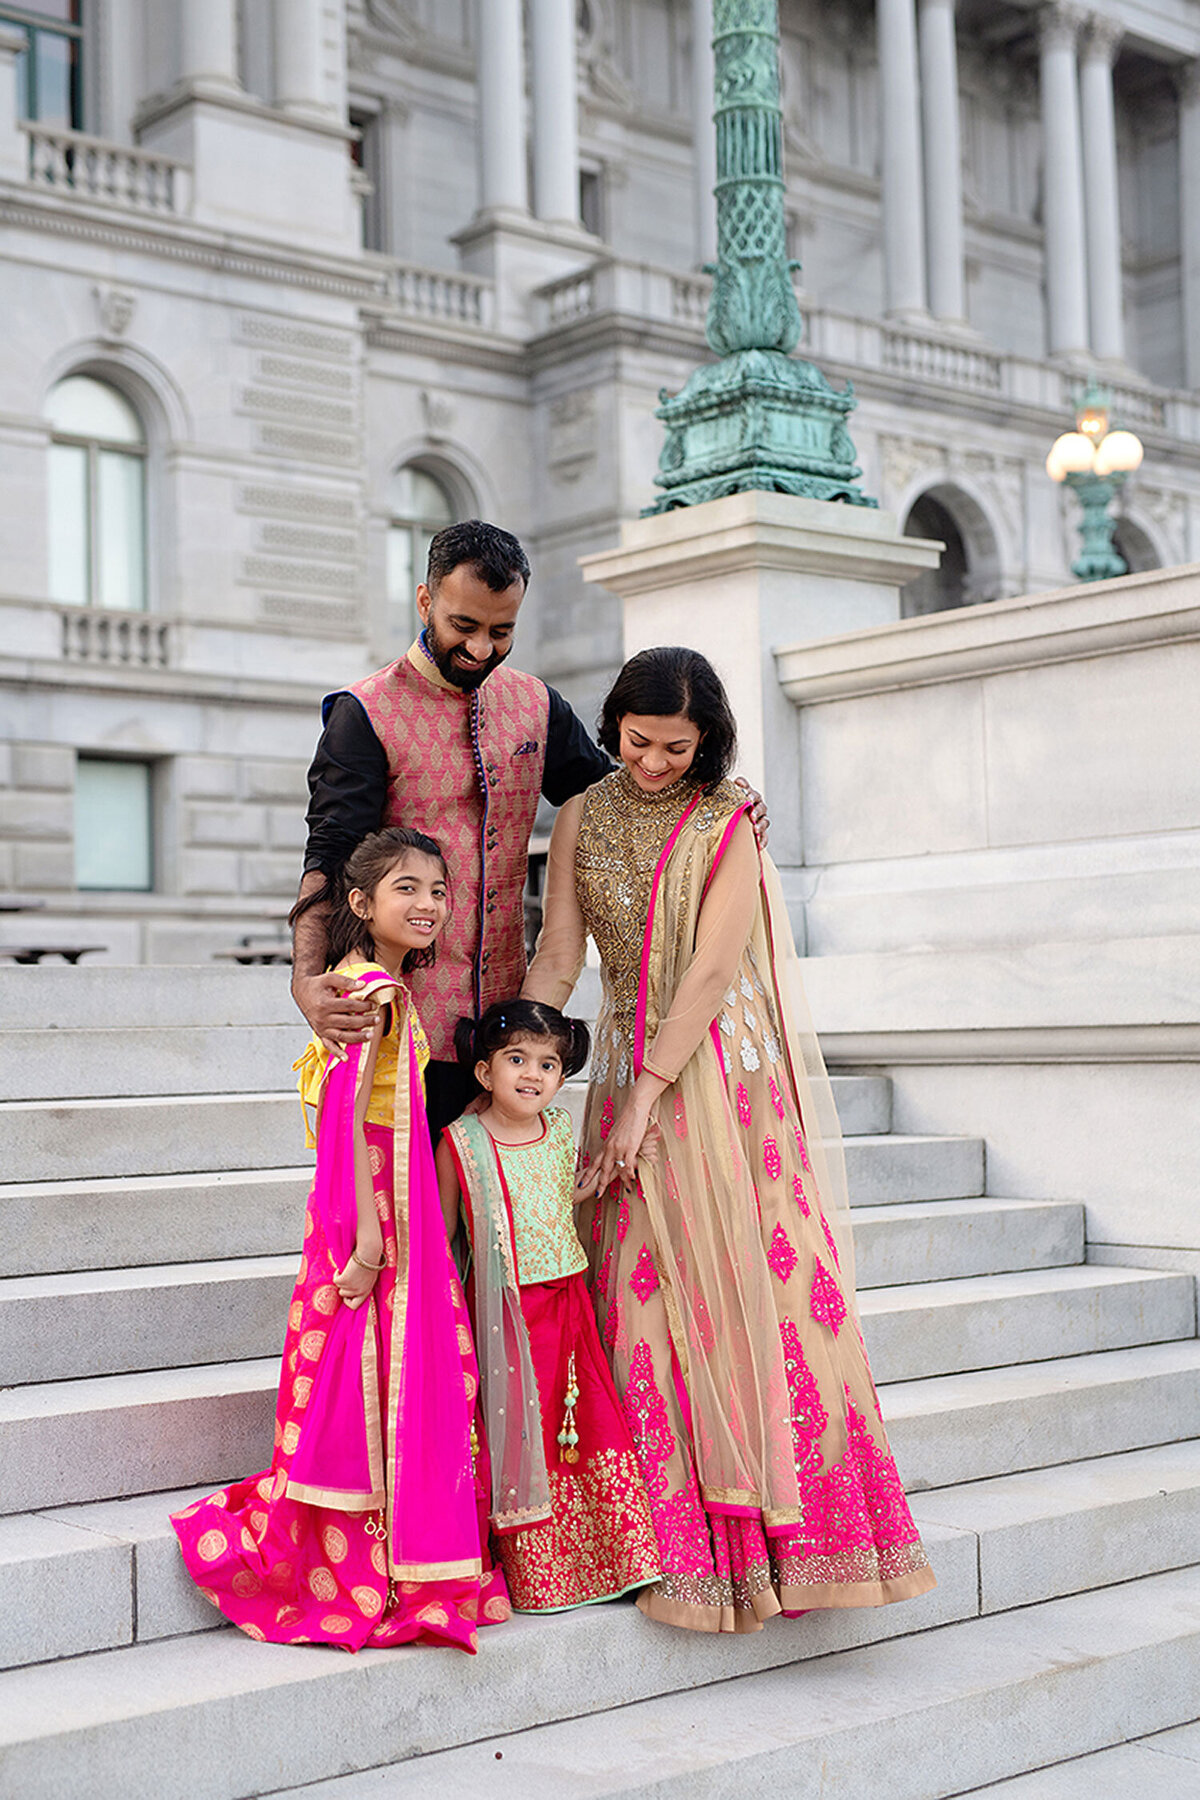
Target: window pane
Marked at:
121, 531
415, 494
113, 843
68, 524
88, 408
54, 79
401, 584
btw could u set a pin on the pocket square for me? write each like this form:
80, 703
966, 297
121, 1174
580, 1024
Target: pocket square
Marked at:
527, 748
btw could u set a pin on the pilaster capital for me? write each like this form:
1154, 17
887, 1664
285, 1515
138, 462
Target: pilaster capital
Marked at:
1059, 25
1101, 39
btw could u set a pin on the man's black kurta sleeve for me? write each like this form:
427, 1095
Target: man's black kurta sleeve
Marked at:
573, 761
347, 783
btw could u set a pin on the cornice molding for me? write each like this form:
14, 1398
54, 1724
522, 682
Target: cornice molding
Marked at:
1025, 1044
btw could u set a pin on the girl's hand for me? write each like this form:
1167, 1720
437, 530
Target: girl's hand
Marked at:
354, 1283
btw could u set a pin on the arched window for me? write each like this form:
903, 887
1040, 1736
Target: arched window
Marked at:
419, 505
97, 497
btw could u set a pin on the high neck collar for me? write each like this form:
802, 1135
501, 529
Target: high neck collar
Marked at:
679, 792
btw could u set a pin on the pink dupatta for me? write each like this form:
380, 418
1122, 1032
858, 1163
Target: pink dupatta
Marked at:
413, 1460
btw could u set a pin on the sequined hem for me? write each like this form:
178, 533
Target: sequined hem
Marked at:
745, 1602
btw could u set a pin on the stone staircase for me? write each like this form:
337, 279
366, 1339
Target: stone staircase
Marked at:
1045, 1415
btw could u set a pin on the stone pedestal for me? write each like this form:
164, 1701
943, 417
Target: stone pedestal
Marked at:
735, 578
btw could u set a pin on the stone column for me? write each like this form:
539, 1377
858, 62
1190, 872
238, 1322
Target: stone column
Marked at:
900, 156
704, 136
1100, 193
1062, 210
14, 146
943, 159
500, 91
1187, 83
208, 44
299, 70
555, 123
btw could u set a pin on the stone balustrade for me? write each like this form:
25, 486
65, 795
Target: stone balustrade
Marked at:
941, 360
117, 639
441, 295
114, 174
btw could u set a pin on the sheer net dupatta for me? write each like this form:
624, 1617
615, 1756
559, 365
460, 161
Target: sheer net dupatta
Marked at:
511, 1410
701, 1195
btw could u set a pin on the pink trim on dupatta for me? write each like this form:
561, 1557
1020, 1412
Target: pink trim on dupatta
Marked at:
639, 1023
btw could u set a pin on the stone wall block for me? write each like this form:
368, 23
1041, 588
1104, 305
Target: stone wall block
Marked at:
287, 828
6, 764
208, 872
26, 815
206, 777
271, 875
44, 766
45, 866
239, 827
275, 780
7, 865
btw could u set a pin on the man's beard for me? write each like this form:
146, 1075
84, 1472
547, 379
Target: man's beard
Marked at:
443, 659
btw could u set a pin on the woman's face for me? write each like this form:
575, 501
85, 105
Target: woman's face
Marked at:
657, 751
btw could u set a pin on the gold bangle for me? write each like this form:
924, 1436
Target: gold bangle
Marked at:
374, 1267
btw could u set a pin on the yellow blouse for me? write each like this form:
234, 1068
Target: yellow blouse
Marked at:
541, 1185
313, 1066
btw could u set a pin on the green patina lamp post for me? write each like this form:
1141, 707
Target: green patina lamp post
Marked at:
1094, 462
760, 417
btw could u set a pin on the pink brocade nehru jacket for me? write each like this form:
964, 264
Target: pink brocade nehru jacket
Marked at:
467, 770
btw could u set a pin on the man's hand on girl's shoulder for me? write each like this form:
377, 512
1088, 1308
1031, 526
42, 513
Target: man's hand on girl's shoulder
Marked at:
335, 1006
759, 817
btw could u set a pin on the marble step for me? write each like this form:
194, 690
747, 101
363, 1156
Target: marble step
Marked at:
77, 1140
1087, 1524
106, 1436
1163, 1766
987, 1321
95, 1576
948, 1239
109, 997
111, 1321
974, 1700
115, 1321
49, 1227
68, 1064
961, 1428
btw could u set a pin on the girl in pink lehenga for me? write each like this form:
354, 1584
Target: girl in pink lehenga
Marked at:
370, 1526
720, 1266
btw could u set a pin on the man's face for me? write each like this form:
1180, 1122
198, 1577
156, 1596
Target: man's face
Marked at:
468, 628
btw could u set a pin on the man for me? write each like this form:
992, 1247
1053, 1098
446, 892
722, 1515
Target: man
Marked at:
450, 741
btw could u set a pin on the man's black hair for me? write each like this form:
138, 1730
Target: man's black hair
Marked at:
495, 556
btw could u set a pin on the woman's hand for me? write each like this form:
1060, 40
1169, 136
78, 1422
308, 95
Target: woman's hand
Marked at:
354, 1282
626, 1141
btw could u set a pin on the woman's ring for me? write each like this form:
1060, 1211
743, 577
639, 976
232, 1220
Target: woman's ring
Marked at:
620, 1164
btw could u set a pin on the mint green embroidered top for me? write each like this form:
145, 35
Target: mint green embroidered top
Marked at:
541, 1185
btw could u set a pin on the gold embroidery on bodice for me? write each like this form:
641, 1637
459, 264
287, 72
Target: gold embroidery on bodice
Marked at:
541, 1185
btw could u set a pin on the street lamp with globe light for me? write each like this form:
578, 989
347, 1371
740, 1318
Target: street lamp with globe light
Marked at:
1095, 461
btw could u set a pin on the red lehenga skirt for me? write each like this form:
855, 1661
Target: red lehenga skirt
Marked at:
289, 1572
599, 1541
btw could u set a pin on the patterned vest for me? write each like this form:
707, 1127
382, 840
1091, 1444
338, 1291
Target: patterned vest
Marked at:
466, 769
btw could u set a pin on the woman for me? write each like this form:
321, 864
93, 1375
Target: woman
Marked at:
720, 1261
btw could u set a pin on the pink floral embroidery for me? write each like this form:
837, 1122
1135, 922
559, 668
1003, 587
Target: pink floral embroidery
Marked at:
825, 1299
681, 1527
776, 1096
623, 1220
680, 1117
801, 1196
859, 1504
829, 1240
743, 1104
644, 1279
607, 1115
605, 1272
781, 1258
646, 1411
804, 1162
703, 1324
772, 1162
809, 1417
597, 1222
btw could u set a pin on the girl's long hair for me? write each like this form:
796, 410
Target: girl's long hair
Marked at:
477, 1040
365, 868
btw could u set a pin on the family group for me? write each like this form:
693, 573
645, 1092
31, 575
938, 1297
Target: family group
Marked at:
520, 1373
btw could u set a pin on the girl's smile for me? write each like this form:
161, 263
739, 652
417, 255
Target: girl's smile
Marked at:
522, 1079
408, 907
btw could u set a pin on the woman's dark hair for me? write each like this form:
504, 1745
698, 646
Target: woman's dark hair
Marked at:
477, 1040
668, 681
365, 868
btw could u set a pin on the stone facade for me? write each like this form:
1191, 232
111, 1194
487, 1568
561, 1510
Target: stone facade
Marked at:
312, 248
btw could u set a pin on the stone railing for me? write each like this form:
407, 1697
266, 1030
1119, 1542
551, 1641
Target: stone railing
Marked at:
941, 361
73, 163
690, 295
117, 639
569, 298
443, 296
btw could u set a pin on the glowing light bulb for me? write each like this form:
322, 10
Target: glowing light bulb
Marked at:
1119, 453
1071, 454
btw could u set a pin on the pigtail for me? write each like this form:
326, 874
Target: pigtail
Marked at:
466, 1044
579, 1050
